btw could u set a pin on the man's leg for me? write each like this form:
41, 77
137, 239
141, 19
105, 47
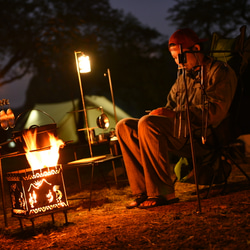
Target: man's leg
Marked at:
127, 133
154, 156
146, 155
156, 140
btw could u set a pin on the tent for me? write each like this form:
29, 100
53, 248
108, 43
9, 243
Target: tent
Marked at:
101, 101
66, 116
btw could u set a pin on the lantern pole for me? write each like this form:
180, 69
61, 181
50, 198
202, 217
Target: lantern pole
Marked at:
86, 70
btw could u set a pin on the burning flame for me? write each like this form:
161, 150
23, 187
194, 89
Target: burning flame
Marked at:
41, 158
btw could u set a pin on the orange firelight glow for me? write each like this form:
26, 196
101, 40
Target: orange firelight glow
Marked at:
43, 158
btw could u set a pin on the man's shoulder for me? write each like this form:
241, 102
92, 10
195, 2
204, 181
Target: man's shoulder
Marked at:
214, 64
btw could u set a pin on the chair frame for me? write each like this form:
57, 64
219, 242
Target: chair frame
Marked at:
225, 149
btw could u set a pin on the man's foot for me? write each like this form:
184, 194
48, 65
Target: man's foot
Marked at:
138, 200
157, 201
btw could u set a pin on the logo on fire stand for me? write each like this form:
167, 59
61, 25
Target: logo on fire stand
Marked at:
39, 191
45, 192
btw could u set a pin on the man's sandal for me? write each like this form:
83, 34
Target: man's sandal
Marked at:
138, 200
156, 202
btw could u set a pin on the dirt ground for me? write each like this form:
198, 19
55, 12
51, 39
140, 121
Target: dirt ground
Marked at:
222, 223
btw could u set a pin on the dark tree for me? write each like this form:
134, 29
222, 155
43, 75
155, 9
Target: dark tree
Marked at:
40, 37
208, 16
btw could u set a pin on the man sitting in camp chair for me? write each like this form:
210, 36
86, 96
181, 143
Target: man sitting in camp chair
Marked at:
215, 167
146, 142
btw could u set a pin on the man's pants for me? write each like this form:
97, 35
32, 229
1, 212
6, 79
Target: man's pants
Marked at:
145, 144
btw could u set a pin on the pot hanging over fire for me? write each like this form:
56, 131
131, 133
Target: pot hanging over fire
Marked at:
41, 133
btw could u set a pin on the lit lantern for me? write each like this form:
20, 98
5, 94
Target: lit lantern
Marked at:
84, 64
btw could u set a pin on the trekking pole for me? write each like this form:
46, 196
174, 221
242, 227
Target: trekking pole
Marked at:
182, 60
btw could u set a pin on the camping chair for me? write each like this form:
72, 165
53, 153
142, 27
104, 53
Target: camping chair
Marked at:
217, 169
233, 52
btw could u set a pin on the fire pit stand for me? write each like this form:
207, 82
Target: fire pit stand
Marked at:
39, 192
32, 217
10, 155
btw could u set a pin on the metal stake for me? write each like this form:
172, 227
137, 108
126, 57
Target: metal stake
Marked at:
191, 137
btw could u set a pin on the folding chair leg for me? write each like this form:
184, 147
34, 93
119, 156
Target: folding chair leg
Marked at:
91, 185
238, 166
224, 188
210, 187
114, 171
212, 182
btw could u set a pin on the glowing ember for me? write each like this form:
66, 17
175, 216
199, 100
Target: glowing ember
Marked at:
41, 158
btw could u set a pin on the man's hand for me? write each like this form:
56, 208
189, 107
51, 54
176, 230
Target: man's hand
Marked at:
163, 111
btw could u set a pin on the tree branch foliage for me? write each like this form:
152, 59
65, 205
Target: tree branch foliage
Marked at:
35, 33
208, 16
40, 37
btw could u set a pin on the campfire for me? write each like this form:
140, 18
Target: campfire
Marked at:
48, 156
40, 189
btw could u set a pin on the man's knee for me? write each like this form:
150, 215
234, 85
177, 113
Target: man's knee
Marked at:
153, 125
126, 125
121, 124
145, 122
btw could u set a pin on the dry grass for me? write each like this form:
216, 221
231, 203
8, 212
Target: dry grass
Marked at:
224, 222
